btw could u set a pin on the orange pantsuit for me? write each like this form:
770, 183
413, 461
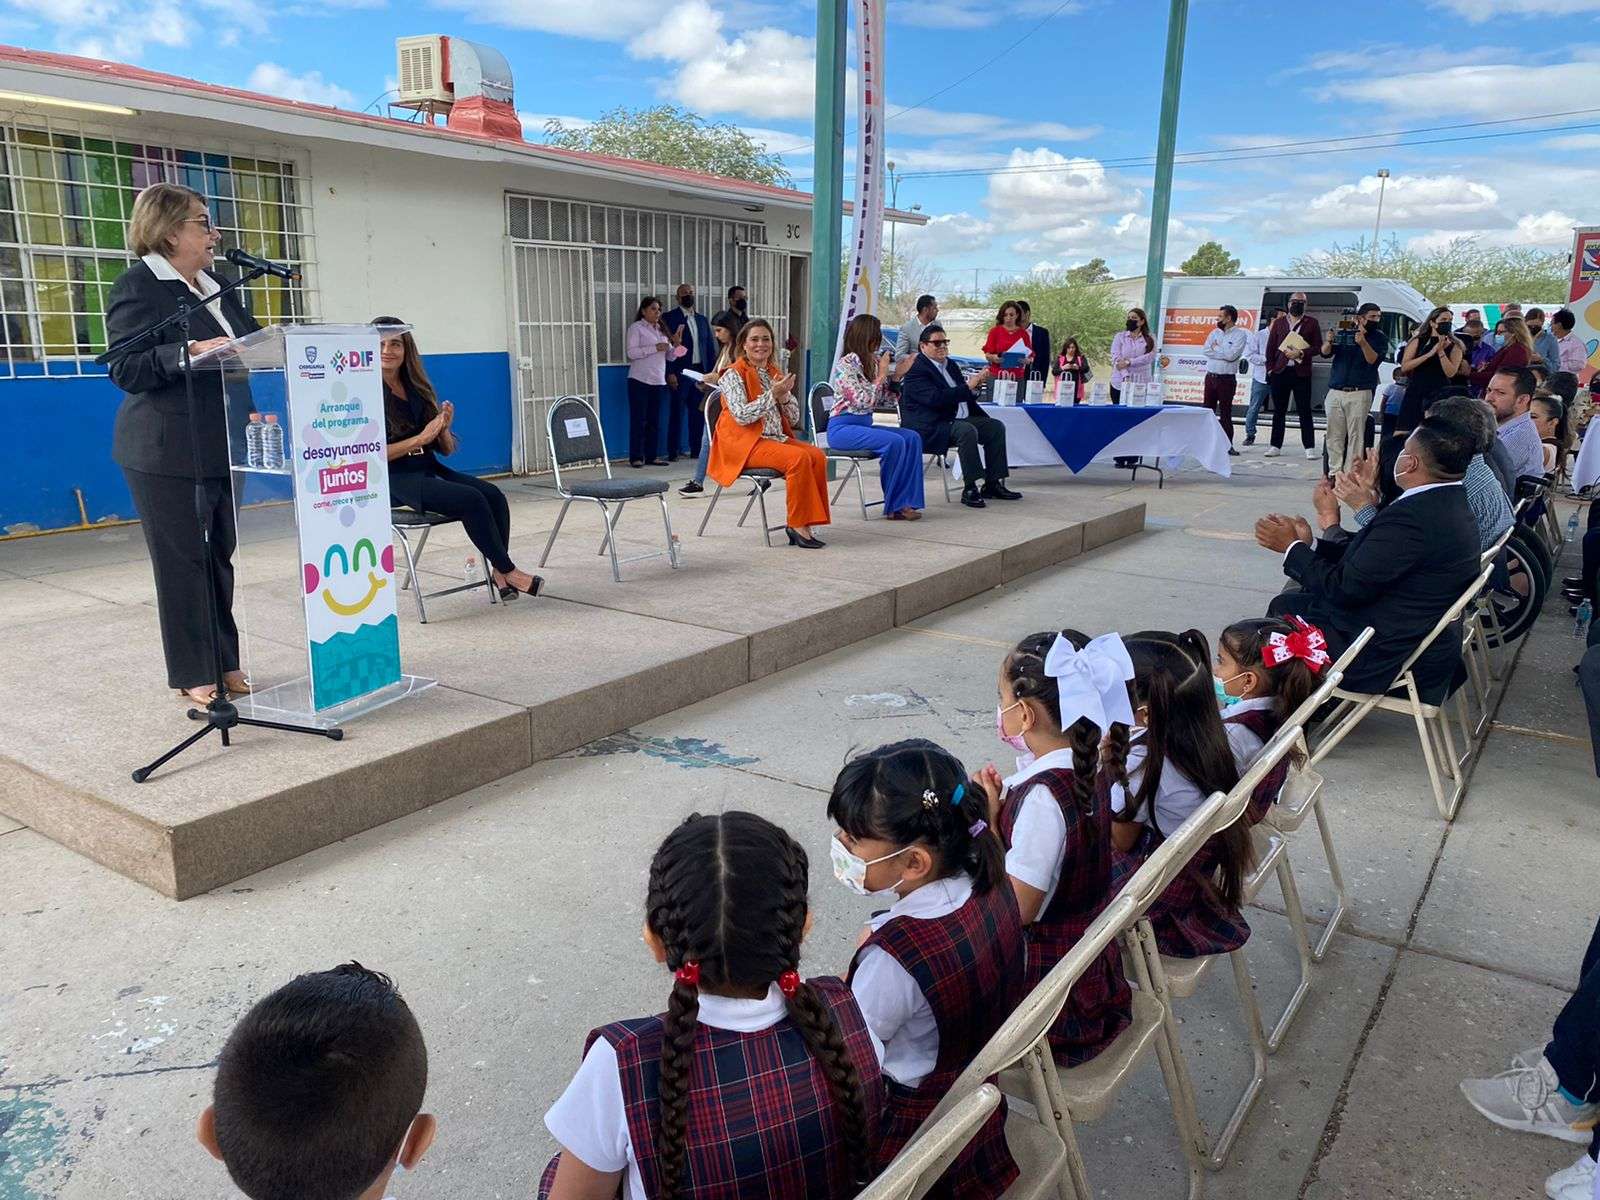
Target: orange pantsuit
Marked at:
738, 446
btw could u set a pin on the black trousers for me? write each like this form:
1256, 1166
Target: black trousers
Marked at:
686, 420
647, 413
1284, 384
980, 429
478, 505
1574, 1047
166, 508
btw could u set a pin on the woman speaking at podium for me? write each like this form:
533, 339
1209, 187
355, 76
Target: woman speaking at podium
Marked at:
171, 232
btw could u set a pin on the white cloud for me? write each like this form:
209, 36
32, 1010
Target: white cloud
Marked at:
1573, 141
931, 122
952, 233
1546, 231
680, 32
1478, 13
973, 14
1045, 199
1120, 241
1409, 201
763, 72
309, 86
1481, 90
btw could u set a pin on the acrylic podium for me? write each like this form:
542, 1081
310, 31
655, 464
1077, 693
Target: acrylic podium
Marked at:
314, 578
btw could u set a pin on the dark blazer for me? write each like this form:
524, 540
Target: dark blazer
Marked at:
1042, 361
152, 427
672, 321
1399, 575
929, 401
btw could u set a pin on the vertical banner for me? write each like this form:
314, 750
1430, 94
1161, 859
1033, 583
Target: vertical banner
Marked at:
341, 496
1583, 296
866, 240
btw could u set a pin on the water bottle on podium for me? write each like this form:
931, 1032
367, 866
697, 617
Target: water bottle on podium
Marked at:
272, 447
253, 449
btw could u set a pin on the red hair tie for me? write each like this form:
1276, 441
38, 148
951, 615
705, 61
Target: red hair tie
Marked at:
1306, 643
688, 974
789, 983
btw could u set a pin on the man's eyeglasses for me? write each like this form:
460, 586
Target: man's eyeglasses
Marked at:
203, 222
938, 343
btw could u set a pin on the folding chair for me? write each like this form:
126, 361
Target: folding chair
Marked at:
944, 470
821, 393
761, 478
1432, 723
1489, 616
403, 519
576, 439
920, 1164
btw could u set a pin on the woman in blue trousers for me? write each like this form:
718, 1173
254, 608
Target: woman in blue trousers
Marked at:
858, 379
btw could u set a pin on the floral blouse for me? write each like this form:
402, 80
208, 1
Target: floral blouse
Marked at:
763, 408
853, 392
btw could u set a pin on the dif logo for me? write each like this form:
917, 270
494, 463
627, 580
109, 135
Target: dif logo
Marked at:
351, 360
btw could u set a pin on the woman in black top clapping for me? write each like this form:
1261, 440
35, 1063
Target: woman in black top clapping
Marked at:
418, 431
1431, 361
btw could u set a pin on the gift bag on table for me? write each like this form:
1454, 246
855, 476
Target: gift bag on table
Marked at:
1035, 392
1005, 393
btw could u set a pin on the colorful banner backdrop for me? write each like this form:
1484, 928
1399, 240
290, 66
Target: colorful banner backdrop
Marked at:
1181, 354
1583, 296
866, 248
342, 509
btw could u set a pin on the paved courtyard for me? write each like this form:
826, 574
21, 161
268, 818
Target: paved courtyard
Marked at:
510, 915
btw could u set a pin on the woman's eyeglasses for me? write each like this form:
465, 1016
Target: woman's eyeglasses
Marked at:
203, 222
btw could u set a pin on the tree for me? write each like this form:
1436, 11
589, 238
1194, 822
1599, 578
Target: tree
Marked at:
1209, 258
1093, 271
1072, 306
673, 137
1465, 269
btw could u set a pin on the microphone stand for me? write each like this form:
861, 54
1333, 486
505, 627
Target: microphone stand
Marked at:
221, 715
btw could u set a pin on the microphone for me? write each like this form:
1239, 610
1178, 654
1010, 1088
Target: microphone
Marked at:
243, 258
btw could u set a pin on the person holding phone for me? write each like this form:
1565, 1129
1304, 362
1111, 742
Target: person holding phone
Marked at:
1431, 361
1356, 348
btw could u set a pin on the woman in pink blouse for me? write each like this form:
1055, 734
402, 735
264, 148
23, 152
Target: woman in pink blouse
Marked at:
858, 378
649, 347
1132, 352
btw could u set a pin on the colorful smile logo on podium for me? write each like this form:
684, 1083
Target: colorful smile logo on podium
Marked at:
349, 562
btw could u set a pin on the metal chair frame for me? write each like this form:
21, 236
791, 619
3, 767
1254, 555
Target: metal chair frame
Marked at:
944, 471
922, 1161
819, 421
610, 506
427, 522
761, 478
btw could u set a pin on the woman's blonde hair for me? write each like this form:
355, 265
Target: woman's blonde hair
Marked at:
157, 213
1517, 332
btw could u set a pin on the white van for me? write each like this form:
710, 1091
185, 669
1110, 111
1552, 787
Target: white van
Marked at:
1189, 312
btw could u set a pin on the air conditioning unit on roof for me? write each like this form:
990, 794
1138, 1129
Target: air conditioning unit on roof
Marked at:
467, 82
423, 68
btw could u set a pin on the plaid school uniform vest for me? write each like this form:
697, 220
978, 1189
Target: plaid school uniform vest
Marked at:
762, 1122
1264, 725
969, 966
1100, 1004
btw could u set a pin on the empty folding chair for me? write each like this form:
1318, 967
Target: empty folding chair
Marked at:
576, 439
820, 395
760, 478
920, 1164
403, 520
1433, 725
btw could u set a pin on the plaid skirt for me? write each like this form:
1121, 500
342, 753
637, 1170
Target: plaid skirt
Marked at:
1100, 1004
1189, 918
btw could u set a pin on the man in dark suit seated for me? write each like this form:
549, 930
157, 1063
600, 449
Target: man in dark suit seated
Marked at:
939, 404
1400, 574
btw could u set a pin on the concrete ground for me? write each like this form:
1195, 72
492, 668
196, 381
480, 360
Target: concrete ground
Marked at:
510, 915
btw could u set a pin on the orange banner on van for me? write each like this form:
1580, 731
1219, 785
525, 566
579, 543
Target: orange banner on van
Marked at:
1189, 326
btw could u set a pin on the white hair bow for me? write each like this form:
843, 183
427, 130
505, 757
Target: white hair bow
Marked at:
1093, 682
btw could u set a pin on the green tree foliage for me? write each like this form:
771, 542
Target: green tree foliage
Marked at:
673, 137
1068, 305
1209, 258
1465, 269
1093, 271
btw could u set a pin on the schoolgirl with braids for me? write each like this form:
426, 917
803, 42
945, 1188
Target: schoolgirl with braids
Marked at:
754, 1082
1054, 817
1177, 755
1266, 669
940, 971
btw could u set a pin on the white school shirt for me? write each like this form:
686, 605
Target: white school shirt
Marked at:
590, 1120
1177, 796
1245, 744
1039, 838
895, 1008
162, 269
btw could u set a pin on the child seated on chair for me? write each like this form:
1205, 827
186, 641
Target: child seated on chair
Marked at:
318, 1090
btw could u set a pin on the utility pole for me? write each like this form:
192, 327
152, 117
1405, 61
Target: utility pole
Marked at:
1377, 224
1166, 147
827, 190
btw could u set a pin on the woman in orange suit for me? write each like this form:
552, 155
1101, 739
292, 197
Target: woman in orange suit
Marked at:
756, 429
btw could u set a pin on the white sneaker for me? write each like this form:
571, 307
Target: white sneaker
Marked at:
1272, 452
1311, 453
1574, 1183
1529, 1057
1529, 1100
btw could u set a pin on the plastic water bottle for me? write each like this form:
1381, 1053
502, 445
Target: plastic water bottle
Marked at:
253, 448
470, 572
1572, 525
1580, 624
272, 444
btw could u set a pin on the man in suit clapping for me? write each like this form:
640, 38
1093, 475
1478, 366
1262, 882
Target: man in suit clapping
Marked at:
939, 404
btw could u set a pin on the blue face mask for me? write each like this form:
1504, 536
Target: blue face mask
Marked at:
1224, 700
1498, 341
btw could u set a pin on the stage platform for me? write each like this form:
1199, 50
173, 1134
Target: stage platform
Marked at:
82, 701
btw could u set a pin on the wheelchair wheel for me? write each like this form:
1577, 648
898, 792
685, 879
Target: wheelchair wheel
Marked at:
1518, 590
1533, 535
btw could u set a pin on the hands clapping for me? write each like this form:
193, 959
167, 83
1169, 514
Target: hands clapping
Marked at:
1277, 532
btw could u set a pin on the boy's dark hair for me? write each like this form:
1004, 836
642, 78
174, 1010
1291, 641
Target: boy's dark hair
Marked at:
1024, 670
1447, 445
1564, 318
317, 1085
883, 793
728, 892
924, 300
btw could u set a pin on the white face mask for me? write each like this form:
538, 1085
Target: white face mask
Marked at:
851, 869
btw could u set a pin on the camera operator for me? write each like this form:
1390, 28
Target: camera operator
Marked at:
1356, 347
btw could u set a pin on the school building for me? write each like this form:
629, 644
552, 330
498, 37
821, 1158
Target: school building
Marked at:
520, 265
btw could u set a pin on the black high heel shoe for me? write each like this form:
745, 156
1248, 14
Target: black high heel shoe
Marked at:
510, 592
805, 543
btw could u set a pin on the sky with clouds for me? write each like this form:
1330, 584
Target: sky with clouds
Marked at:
1023, 130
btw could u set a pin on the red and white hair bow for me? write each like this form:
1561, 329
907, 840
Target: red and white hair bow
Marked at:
1305, 643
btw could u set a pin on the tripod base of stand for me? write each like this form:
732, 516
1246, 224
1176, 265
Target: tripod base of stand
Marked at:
221, 716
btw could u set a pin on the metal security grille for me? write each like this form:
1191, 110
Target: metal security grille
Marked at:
551, 300
66, 193
768, 290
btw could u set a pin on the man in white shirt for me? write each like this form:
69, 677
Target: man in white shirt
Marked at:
1260, 391
1225, 346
